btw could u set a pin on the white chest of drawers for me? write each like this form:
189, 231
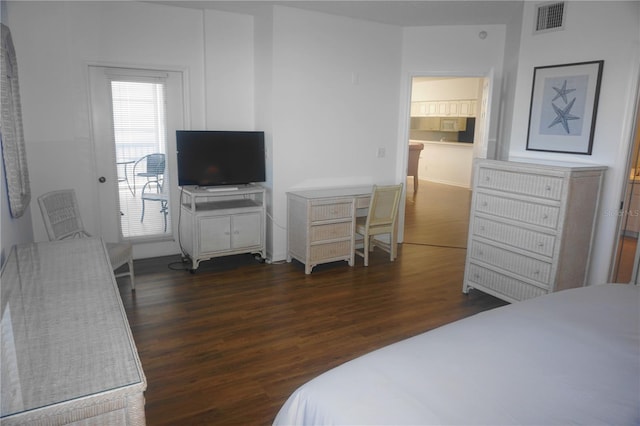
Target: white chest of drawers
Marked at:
531, 227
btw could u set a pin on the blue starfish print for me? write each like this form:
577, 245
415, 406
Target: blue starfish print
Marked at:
563, 115
562, 92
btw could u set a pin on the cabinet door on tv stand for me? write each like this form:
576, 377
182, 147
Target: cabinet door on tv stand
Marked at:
215, 234
246, 230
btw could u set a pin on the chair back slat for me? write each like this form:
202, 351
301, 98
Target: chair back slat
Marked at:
155, 164
61, 215
383, 209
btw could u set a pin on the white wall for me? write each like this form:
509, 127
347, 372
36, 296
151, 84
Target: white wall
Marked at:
55, 42
594, 30
334, 103
229, 71
438, 89
12, 230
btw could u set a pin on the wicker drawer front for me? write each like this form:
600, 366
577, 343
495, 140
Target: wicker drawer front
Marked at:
516, 236
512, 288
513, 262
331, 211
549, 187
330, 251
330, 231
522, 211
363, 202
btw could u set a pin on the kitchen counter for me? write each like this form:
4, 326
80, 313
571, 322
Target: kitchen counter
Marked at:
445, 162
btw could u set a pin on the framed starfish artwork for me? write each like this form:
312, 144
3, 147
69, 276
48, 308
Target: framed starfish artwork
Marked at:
564, 102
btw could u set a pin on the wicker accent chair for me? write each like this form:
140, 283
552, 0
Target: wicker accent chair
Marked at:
62, 220
381, 219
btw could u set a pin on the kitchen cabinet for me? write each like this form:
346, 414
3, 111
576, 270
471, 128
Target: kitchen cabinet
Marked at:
458, 108
467, 108
424, 109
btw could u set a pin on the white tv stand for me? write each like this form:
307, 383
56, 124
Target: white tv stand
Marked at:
222, 222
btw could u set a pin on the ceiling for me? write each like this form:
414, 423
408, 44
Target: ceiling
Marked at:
394, 12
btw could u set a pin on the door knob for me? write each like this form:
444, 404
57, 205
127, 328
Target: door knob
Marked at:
102, 179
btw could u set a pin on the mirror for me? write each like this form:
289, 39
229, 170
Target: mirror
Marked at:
11, 136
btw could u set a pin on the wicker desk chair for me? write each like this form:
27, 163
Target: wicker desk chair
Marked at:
62, 220
381, 219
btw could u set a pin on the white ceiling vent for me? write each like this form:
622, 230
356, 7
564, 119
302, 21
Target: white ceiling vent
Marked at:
550, 17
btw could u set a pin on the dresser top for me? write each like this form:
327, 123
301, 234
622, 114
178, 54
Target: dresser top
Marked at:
65, 334
347, 191
543, 163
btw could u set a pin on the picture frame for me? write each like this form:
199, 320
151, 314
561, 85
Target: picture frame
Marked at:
564, 104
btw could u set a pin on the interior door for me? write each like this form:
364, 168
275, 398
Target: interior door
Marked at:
110, 169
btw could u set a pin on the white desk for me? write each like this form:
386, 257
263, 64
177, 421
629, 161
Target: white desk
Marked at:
68, 355
321, 224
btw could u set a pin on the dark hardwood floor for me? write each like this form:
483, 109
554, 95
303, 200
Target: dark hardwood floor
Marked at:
228, 344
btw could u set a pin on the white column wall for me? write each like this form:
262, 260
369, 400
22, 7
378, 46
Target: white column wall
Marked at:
335, 101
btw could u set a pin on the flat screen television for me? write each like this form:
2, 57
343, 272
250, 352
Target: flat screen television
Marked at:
215, 158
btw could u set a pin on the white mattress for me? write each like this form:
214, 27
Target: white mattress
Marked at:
572, 357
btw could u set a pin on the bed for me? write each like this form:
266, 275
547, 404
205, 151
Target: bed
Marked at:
571, 357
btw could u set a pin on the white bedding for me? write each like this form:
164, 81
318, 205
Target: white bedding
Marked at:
571, 357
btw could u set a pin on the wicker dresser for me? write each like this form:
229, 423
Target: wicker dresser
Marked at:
321, 224
531, 227
68, 356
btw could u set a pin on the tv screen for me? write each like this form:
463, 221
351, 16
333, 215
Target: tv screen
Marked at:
213, 158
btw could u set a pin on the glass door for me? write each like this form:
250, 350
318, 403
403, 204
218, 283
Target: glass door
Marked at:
139, 137
134, 133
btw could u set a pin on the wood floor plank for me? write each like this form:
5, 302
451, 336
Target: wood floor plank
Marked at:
228, 344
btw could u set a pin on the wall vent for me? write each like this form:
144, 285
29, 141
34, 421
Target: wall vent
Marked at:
550, 17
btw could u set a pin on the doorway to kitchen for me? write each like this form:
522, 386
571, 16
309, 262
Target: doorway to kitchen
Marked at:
447, 131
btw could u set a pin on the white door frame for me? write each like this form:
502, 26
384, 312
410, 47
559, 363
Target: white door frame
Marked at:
102, 128
482, 129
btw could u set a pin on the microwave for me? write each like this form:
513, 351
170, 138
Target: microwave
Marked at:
450, 125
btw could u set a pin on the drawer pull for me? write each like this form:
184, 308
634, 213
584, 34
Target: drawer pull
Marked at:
548, 188
536, 273
487, 178
485, 204
545, 216
482, 228
540, 244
